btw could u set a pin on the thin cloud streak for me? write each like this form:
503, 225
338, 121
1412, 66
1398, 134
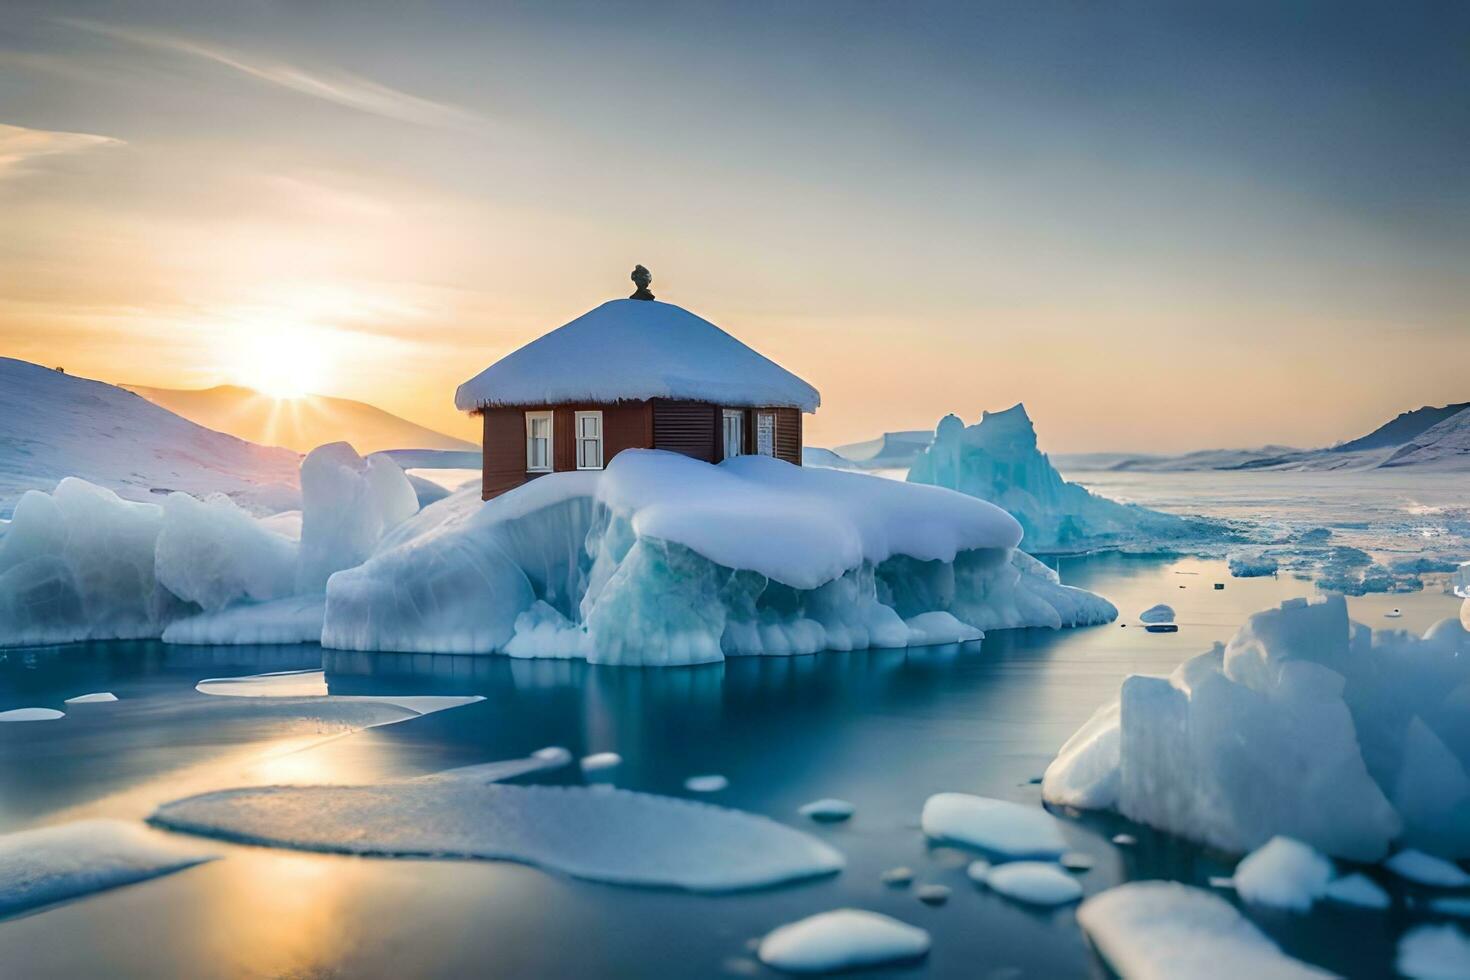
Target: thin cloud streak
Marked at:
19, 146
339, 87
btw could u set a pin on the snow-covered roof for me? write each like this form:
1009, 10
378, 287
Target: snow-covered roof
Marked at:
629, 349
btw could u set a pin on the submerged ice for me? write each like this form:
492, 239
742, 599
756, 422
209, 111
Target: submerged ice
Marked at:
1304, 725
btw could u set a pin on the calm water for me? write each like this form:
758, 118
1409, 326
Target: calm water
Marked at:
882, 729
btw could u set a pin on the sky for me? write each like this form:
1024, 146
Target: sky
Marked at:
1162, 226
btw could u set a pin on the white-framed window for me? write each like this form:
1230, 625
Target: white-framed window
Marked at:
765, 433
734, 424
589, 440
538, 442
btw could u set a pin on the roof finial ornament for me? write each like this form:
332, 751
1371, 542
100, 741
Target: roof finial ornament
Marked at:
641, 278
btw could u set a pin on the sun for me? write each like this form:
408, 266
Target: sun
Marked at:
279, 362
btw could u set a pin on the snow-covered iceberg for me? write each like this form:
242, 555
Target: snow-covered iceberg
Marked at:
997, 459
1304, 725
662, 559
80, 563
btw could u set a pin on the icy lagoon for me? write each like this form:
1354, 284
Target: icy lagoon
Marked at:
881, 729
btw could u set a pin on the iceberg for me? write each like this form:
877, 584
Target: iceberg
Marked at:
843, 939
1162, 930
997, 459
596, 833
663, 560
53, 864
1304, 725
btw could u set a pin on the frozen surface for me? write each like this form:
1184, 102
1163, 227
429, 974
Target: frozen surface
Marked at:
31, 714
1158, 930
664, 560
1426, 869
998, 826
56, 863
1434, 953
1305, 725
1284, 874
59, 425
636, 349
997, 459
843, 939
308, 684
607, 835
1033, 882
1357, 889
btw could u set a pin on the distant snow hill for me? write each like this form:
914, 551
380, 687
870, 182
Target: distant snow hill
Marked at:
1436, 438
54, 425
302, 423
891, 450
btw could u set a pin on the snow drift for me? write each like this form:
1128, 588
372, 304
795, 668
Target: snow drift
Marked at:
1304, 725
662, 559
997, 459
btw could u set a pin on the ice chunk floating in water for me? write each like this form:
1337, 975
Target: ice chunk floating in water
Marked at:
1434, 953
1162, 930
614, 836
98, 698
51, 864
1033, 882
843, 939
1305, 725
1284, 874
663, 560
998, 826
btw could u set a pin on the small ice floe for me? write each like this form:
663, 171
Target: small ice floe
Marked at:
1434, 953
1077, 861
1162, 930
1159, 613
1357, 889
1124, 840
1283, 873
932, 894
1393, 614
712, 783
553, 754
31, 714
98, 698
598, 761
827, 810
52, 864
1034, 882
1426, 869
998, 826
1223, 882
843, 939
897, 877
640, 839
280, 684
542, 760
978, 871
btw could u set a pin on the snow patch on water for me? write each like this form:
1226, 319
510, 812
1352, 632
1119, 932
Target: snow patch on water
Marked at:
843, 939
997, 826
52, 864
609, 835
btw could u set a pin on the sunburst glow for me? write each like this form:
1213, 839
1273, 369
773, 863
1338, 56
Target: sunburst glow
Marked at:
280, 362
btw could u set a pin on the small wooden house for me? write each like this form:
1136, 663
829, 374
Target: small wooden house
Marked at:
632, 374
